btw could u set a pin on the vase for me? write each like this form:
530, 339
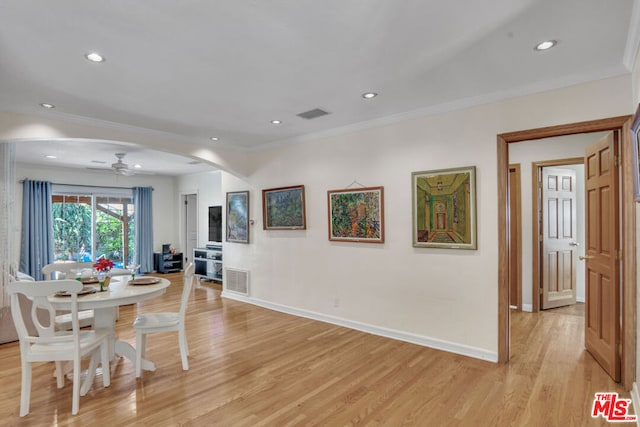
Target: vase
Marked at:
103, 279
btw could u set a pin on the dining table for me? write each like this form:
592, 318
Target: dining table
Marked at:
122, 290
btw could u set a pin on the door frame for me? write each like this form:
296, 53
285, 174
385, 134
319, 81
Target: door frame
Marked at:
628, 212
518, 238
536, 263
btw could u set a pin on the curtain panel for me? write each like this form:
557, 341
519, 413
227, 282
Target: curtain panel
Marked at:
143, 222
36, 249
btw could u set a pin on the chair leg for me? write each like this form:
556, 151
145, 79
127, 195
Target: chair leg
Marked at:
25, 396
75, 402
59, 374
106, 367
91, 373
140, 343
184, 349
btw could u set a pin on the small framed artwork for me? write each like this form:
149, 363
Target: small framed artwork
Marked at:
283, 208
444, 208
635, 140
356, 215
238, 216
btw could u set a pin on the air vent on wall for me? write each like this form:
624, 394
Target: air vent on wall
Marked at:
237, 281
312, 114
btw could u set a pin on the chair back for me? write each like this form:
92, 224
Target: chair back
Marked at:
65, 268
38, 293
186, 290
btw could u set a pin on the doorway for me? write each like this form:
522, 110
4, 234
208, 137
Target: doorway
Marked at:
628, 327
189, 203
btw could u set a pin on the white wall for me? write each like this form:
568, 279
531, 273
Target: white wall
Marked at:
164, 205
207, 186
443, 298
527, 152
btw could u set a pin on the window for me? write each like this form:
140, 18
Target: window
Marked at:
88, 226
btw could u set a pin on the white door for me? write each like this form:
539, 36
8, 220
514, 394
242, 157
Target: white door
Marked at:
191, 225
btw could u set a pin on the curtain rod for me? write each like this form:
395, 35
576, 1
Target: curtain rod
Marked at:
89, 186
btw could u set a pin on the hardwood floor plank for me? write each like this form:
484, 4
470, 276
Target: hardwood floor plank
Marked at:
250, 366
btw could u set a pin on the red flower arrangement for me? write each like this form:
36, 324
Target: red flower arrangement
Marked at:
103, 264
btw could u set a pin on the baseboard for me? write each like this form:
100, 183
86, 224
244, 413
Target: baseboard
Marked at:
438, 344
527, 307
582, 300
635, 398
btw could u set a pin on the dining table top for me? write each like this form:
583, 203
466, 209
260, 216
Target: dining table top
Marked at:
121, 291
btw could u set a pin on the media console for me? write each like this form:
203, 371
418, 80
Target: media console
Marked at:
208, 262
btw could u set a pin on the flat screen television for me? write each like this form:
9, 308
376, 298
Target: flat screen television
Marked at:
215, 223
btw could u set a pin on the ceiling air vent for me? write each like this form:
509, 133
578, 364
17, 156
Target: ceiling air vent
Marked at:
313, 114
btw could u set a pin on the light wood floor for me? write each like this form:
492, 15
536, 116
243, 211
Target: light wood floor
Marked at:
254, 367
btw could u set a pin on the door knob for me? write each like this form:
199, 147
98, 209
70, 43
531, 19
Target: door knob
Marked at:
582, 258
574, 244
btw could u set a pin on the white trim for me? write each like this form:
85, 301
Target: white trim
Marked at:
633, 38
465, 350
580, 299
635, 398
527, 307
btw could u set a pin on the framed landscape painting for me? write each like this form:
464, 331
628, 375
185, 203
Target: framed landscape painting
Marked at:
356, 215
444, 208
283, 208
238, 216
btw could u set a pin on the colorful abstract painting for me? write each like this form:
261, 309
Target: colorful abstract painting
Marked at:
283, 208
356, 215
238, 216
444, 208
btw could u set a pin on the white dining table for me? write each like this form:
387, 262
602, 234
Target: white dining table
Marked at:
105, 305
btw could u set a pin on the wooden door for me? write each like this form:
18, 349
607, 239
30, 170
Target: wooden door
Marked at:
602, 312
558, 237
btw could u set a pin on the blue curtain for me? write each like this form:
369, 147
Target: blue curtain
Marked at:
143, 220
37, 228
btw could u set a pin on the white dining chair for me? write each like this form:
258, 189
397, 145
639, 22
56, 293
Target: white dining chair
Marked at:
49, 345
66, 270
148, 323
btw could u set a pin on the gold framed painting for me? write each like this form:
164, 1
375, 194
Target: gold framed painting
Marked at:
444, 208
356, 215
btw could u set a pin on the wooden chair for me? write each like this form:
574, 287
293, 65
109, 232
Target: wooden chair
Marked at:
49, 345
148, 323
66, 271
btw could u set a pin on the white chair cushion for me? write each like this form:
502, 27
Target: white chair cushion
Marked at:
24, 277
154, 320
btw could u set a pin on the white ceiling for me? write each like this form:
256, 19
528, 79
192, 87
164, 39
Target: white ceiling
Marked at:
202, 68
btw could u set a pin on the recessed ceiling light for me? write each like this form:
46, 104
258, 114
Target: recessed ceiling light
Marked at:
45, 105
369, 95
51, 156
137, 166
545, 45
276, 122
95, 57
214, 138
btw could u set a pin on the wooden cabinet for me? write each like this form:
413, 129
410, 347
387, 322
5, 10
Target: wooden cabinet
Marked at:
167, 263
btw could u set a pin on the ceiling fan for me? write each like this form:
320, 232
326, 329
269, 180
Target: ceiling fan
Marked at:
120, 167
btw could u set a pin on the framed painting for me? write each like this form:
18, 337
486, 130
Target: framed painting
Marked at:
635, 140
444, 208
238, 216
283, 208
356, 215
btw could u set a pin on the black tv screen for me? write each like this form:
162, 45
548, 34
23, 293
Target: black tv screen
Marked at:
215, 223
